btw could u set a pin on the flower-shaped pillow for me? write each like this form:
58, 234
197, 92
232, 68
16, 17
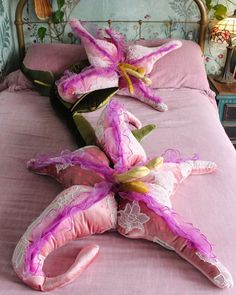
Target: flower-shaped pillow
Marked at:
143, 188
113, 64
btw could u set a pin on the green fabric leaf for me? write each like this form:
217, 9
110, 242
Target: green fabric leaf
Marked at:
71, 113
42, 80
41, 33
62, 109
139, 134
85, 129
94, 100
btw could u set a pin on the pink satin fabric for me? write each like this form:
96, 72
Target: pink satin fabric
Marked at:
80, 210
107, 57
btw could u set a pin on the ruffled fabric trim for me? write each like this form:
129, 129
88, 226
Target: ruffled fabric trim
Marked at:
174, 156
99, 192
175, 222
79, 157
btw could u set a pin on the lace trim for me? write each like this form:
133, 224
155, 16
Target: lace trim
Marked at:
60, 167
167, 180
186, 169
222, 280
18, 255
64, 198
162, 243
131, 218
112, 207
207, 259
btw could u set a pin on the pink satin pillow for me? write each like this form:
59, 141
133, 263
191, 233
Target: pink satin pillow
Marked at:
182, 68
54, 57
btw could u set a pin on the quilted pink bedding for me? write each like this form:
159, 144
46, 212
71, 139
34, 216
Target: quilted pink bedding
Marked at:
29, 125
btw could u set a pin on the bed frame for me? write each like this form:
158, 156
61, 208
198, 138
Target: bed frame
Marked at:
203, 22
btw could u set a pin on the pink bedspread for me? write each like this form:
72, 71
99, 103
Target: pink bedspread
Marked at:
28, 125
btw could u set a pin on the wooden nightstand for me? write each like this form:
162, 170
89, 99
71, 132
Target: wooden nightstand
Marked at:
226, 98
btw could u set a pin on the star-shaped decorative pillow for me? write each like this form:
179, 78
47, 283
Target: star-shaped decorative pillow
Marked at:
141, 210
115, 64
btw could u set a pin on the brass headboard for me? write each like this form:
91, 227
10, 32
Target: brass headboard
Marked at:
21, 39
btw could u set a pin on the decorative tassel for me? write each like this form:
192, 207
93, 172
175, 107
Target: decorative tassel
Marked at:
43, 9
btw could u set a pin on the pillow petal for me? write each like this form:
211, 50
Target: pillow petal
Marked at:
145, 94
67, 168
100, 52
116, 139
77, 212
146, 57
169, 230
72, 86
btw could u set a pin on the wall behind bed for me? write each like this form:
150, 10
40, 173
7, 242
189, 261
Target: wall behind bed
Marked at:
7, 46
166, 10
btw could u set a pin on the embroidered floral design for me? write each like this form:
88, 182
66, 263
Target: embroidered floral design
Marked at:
60, 167
130, 218
221, 279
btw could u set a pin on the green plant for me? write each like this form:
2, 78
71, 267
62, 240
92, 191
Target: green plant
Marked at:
41, 33
58, 15
218, 9
57, 21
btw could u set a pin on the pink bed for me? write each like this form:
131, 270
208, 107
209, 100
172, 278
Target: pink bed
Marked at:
29, 125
